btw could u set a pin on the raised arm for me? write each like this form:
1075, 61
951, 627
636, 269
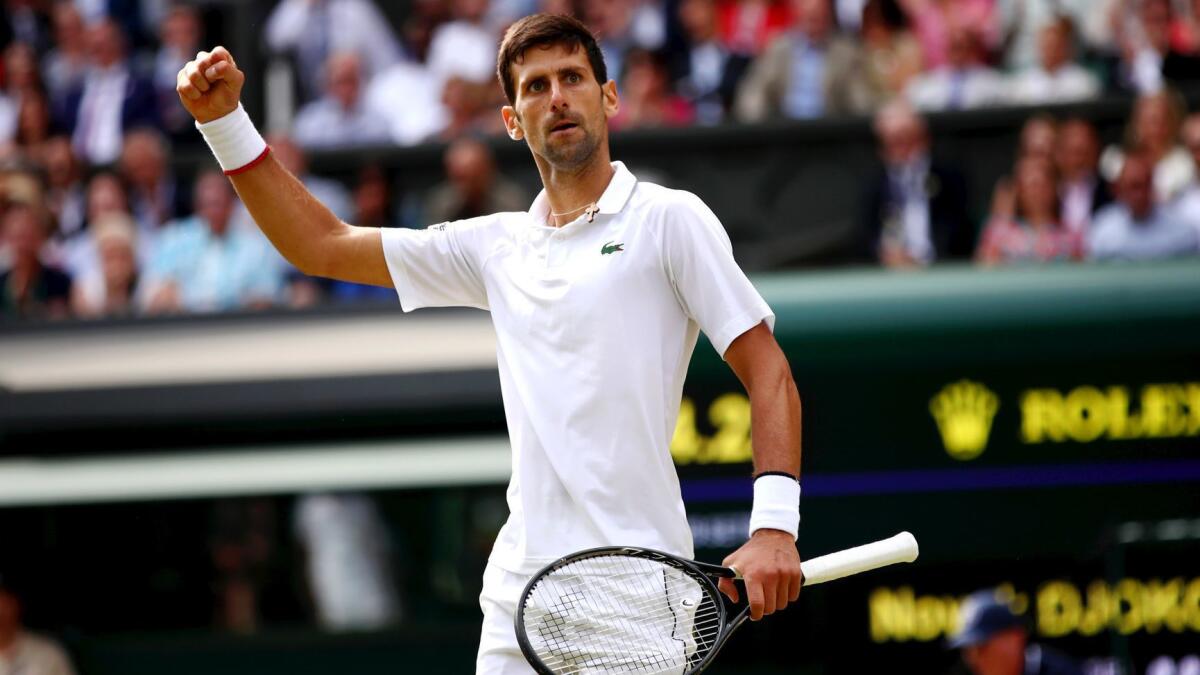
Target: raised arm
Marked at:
299, 226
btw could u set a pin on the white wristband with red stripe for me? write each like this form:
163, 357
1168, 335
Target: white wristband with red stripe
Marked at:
776, 504
234, 141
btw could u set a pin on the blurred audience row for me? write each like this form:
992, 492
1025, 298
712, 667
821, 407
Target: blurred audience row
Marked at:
94, 70
1065, 199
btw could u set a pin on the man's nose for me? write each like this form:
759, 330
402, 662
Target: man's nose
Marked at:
557, 98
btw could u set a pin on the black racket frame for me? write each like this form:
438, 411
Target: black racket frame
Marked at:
705, 573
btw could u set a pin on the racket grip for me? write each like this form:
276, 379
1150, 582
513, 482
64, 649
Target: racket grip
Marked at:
897, 549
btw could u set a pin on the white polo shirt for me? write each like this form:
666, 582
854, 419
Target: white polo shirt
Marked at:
595, 325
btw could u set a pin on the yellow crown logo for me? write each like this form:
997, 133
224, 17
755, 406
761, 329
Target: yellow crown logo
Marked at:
963, 412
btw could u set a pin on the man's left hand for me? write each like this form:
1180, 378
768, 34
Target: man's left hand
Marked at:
770, 567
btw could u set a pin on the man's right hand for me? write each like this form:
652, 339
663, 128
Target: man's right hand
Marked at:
210, 85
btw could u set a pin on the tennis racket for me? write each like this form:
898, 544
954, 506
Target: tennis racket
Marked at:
621, 609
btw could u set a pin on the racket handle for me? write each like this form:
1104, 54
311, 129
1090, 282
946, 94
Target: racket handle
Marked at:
897, 549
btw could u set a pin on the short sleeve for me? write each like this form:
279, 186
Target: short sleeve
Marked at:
439, 266
710, 286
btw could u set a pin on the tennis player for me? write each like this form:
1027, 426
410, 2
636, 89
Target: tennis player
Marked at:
597, 294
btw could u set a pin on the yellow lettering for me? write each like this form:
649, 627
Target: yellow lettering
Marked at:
686, 442
1127, 606
891, 614
1042, 416
1193, 407
1086, 414
1122, 423
730, 416
1095, 616
1191, 604
1058, 609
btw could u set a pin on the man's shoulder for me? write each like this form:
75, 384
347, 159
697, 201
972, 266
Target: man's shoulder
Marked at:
659, 201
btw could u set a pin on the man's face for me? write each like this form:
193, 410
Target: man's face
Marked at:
1136, 186
901, 140
560, 110
815, 18
1077, 150
1002, 654
344, 82
1054, 46
1191, 138
214, 201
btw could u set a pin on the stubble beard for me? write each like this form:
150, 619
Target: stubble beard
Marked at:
572, 156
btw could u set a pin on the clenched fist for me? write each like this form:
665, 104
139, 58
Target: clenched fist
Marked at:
210, 85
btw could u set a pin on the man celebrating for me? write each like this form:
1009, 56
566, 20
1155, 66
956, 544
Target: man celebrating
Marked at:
597, 294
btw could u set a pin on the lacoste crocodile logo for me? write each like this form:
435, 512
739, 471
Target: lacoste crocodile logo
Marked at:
611, 248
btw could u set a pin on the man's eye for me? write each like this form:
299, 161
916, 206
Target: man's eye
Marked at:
573, 78
537, 86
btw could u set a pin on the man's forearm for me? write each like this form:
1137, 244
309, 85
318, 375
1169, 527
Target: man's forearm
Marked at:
775, 430
294, 220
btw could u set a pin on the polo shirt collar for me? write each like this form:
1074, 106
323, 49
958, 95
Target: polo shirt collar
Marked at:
615, 196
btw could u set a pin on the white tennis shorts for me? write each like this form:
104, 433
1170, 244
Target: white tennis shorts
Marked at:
499, 653
656, 618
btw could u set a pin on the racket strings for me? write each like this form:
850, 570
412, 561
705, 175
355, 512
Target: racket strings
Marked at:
620, 614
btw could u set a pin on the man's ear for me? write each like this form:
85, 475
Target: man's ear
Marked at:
612, 103
512, 123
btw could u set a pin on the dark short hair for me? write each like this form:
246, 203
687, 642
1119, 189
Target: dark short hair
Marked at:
545, 30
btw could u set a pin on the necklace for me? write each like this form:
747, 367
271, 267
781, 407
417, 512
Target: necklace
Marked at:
592, 209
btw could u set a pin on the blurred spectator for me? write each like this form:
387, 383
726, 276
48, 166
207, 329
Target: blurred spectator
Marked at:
179, 40
25, 21
1148, 60
372, 208
467, 109
473, 188
647, 99
1039, 138
349, 561
111, 101
1081, 189
106, 194
329, 192
936, 24
465, 46
1185, 30
1034, 233
994, 640
28, 287
610, 20
66, 64
915, 211
707, 71
23, 652
408, 95
1056, 78
339, 118
748, 26
1134, 227
313, 30
891, 55
111, 289
200, 264
155, 196
963, 81
34, 126
1022, 21
21, 80
1187, 206
65, 192
1154, 131
248, 569
806, 72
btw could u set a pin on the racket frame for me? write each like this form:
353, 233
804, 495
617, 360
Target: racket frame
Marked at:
703, 572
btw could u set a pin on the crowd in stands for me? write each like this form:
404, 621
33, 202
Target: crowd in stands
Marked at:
95, 222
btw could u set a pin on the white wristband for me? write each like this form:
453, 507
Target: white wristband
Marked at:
234, 141
776, 505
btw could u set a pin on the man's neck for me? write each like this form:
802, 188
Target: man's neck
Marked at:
575, 189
